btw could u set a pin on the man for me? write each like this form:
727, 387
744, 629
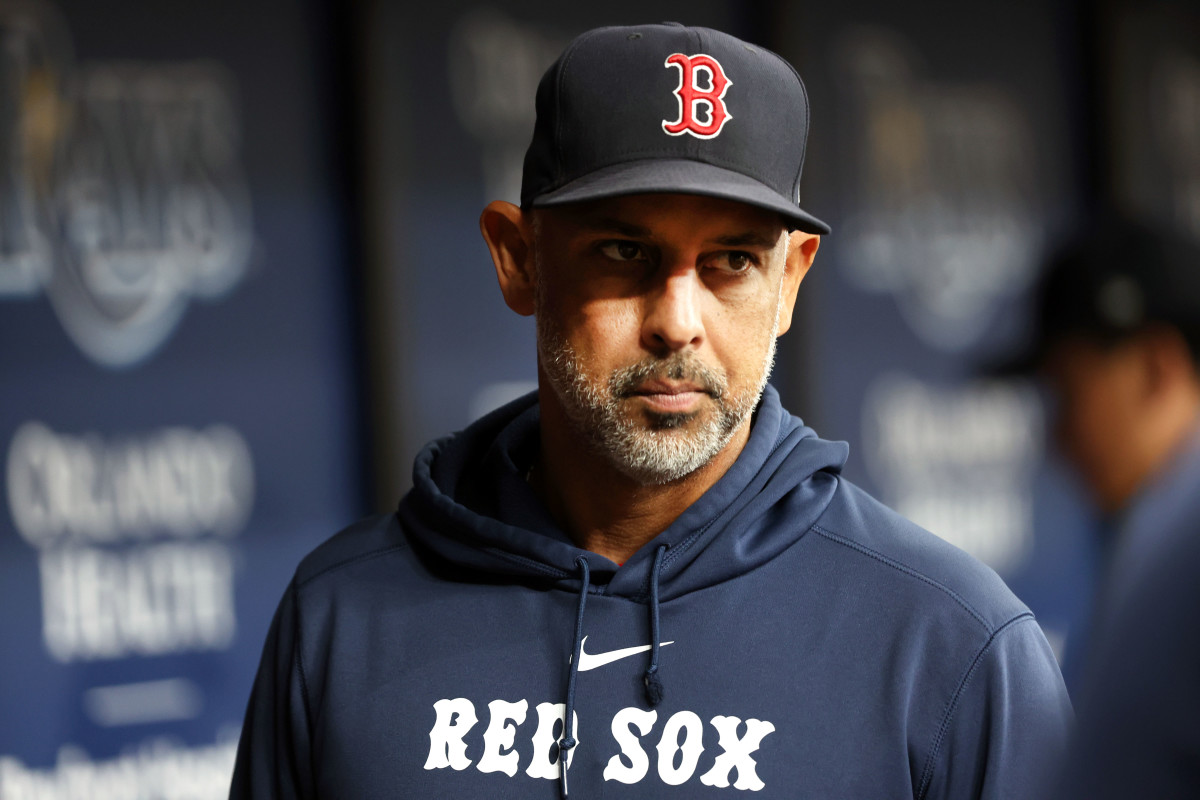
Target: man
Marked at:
650, 547
1119, 345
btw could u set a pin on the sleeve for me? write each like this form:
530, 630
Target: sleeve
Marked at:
1138, 734
274, 752
1007, 726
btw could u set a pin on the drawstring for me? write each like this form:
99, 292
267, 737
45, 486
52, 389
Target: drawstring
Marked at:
568, 741
650, 679
654, 687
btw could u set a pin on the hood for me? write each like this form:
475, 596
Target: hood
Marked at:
471, 506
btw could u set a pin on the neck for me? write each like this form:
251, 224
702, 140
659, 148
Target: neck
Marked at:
601, 508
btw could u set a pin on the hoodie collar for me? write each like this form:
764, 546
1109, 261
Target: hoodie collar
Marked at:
470, 504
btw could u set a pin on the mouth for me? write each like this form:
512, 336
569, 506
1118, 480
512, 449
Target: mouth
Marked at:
670, 397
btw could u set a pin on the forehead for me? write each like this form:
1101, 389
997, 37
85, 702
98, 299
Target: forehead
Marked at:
661, 215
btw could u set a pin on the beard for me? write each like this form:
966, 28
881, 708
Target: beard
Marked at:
662, 447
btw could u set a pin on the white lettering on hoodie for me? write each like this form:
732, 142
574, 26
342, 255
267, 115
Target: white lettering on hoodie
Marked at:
679, 746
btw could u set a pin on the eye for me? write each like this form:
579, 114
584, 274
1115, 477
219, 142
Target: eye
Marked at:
735, 261
623, 250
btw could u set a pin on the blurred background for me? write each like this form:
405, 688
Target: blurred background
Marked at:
241, 283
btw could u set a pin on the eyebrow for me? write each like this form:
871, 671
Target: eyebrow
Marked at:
613, 225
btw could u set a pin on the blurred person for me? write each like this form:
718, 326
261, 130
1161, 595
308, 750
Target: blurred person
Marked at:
648, 579
1119, 349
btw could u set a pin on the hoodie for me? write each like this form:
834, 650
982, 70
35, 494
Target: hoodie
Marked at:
787, 635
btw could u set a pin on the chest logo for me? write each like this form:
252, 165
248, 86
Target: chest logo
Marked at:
702, 111
589, 661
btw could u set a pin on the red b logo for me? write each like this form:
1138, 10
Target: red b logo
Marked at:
691, 97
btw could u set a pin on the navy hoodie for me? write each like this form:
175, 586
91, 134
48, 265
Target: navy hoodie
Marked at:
786, 635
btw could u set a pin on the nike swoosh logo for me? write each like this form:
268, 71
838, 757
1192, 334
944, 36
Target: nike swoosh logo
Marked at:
593, 660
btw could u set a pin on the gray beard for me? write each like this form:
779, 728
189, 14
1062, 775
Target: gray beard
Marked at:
672, 445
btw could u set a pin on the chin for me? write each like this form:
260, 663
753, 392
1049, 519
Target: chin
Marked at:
666, 421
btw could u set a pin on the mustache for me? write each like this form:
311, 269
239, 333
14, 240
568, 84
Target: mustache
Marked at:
676, 367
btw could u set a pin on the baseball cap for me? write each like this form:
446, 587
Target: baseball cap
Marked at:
668, 108
1109, 281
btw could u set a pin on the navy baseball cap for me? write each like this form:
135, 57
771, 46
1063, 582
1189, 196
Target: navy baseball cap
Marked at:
1110, 280
667, 108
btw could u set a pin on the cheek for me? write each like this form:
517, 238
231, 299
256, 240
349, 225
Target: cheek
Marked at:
742, 336
1093, 430
613, 321
600, 330
1080, 419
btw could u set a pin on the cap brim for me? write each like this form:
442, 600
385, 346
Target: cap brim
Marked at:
684, 177
1023, 364
1027, 360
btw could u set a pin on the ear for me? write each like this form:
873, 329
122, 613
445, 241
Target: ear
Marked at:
801, 250
509, 236
1167, 360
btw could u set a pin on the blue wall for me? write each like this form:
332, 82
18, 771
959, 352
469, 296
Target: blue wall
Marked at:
177, 393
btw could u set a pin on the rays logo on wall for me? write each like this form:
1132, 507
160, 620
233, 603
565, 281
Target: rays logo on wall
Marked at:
494, 64
122, 196
944, 196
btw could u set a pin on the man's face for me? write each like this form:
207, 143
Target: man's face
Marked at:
656, 324
1098, 390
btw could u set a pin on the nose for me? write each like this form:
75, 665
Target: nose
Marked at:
672, 318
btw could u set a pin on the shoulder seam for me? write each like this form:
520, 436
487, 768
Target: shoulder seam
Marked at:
927, 773
349, 561
828, 534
